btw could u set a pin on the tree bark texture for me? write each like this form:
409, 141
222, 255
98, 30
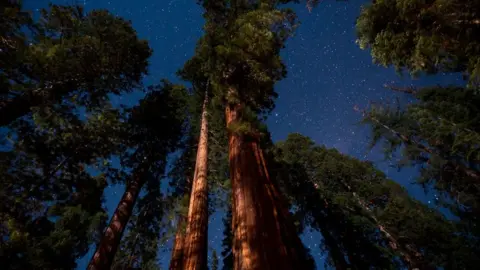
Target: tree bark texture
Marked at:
263, 237
195, 246
103, 257
178, 246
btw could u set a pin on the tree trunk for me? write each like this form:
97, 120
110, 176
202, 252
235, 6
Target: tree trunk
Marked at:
262, 236
195, 247
178, 246
103, 257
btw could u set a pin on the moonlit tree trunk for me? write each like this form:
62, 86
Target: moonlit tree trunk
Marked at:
103, 257
178, 246
195, 246
262, 236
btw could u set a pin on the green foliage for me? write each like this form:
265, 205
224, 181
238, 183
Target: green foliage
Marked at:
153, 130
240, 51
52, 187
56, 160
227, 241
348, 200
442, 136
68, 58
52, 207
214, 261
155, 127
194, 71
423, 36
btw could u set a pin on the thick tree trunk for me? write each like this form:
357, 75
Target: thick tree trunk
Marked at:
262, 236
195, 247
103, 257
178, 246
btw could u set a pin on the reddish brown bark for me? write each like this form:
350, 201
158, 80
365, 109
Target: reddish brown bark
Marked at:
264, 237
178, 246
195, 246
103, 257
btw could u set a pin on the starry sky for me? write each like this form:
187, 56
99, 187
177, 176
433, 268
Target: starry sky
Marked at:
327, 75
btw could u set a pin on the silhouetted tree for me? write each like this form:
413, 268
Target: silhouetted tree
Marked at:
423, 36
364, 217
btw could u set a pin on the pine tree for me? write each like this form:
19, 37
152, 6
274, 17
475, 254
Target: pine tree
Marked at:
48, 188
47, 191
439, 135
348, 200
160, 118
423, 36
65, 58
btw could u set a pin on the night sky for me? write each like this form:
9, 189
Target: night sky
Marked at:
327, 75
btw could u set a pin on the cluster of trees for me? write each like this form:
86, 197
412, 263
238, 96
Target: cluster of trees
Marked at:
366, 219
64, 143
437, 132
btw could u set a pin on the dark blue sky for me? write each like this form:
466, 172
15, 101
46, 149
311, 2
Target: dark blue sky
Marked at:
327, 75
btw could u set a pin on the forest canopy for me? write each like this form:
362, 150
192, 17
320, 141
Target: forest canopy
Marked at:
199, 144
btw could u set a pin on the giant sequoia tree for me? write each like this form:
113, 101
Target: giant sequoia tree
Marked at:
194, 247
241, 48
367, 220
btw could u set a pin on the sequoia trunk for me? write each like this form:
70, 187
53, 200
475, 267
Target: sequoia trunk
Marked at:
195, 256
103, 257
178, 246
262, 235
